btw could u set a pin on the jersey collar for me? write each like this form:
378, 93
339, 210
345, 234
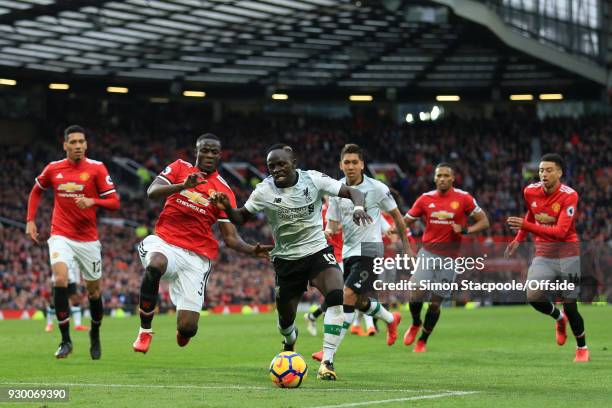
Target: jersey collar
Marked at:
76, 165
212, 175
556, 189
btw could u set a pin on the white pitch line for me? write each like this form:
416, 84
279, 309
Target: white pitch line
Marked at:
420, 397
212, 387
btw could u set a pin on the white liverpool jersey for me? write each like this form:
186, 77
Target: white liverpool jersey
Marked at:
364, 240
294, 213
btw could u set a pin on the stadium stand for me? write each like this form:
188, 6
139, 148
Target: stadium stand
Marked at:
488, 153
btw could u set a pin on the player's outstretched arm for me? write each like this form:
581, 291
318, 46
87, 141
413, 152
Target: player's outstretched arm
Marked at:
160, 189
360, 216
233, 240
237, 216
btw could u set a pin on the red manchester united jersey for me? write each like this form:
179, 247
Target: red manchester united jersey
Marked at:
440, 212
70, 180
551, 217
336, 239
188, 216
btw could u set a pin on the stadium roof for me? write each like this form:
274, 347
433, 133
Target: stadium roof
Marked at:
271, 44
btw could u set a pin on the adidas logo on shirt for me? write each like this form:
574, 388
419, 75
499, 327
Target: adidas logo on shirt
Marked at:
432, 205
59, 176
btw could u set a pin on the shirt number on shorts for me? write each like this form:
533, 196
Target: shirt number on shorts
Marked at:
201, 291
330, 258
96, 267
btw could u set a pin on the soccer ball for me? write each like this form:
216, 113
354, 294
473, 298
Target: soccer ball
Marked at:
288, 369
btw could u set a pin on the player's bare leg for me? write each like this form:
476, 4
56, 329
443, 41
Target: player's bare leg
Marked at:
286, 306
62, 307
148, 299
539, 301
96, 309
330, 283
186, 326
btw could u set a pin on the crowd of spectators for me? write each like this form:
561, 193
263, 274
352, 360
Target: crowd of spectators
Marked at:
489, 155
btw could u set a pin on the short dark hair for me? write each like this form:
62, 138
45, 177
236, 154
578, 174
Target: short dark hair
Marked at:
555, 158
208, 136
351, 148
280, 146
446, 164
73, 129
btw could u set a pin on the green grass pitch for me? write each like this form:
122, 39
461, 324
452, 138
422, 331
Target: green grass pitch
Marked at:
487, 357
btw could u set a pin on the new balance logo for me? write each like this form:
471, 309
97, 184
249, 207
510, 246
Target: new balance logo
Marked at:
59, 176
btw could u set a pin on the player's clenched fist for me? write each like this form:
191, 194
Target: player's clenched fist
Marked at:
220, 200
192, 180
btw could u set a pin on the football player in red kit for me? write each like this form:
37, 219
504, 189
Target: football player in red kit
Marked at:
551, 214
80, 185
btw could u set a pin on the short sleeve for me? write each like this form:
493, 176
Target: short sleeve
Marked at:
387, 202
256, 202
325, 183
44, 178
570, 205
417, 209
333, 210
104, 183
471, 205
171, 173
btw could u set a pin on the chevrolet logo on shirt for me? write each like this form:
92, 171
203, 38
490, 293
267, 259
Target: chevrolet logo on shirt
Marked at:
442, 215
195, 197
70, 187
544, 218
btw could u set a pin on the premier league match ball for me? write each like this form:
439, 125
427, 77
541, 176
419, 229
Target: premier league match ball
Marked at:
288, 369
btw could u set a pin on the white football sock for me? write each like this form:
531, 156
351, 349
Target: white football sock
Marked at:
76, 315
377, 310
288, 333
333, 324
50, 314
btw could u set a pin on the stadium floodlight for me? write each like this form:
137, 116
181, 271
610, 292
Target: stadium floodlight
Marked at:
448, 98
10, 82
59, 87
435, 112
194, 94
410, 118
551, 97
117, 89
361, 98
521, 97
280, 97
